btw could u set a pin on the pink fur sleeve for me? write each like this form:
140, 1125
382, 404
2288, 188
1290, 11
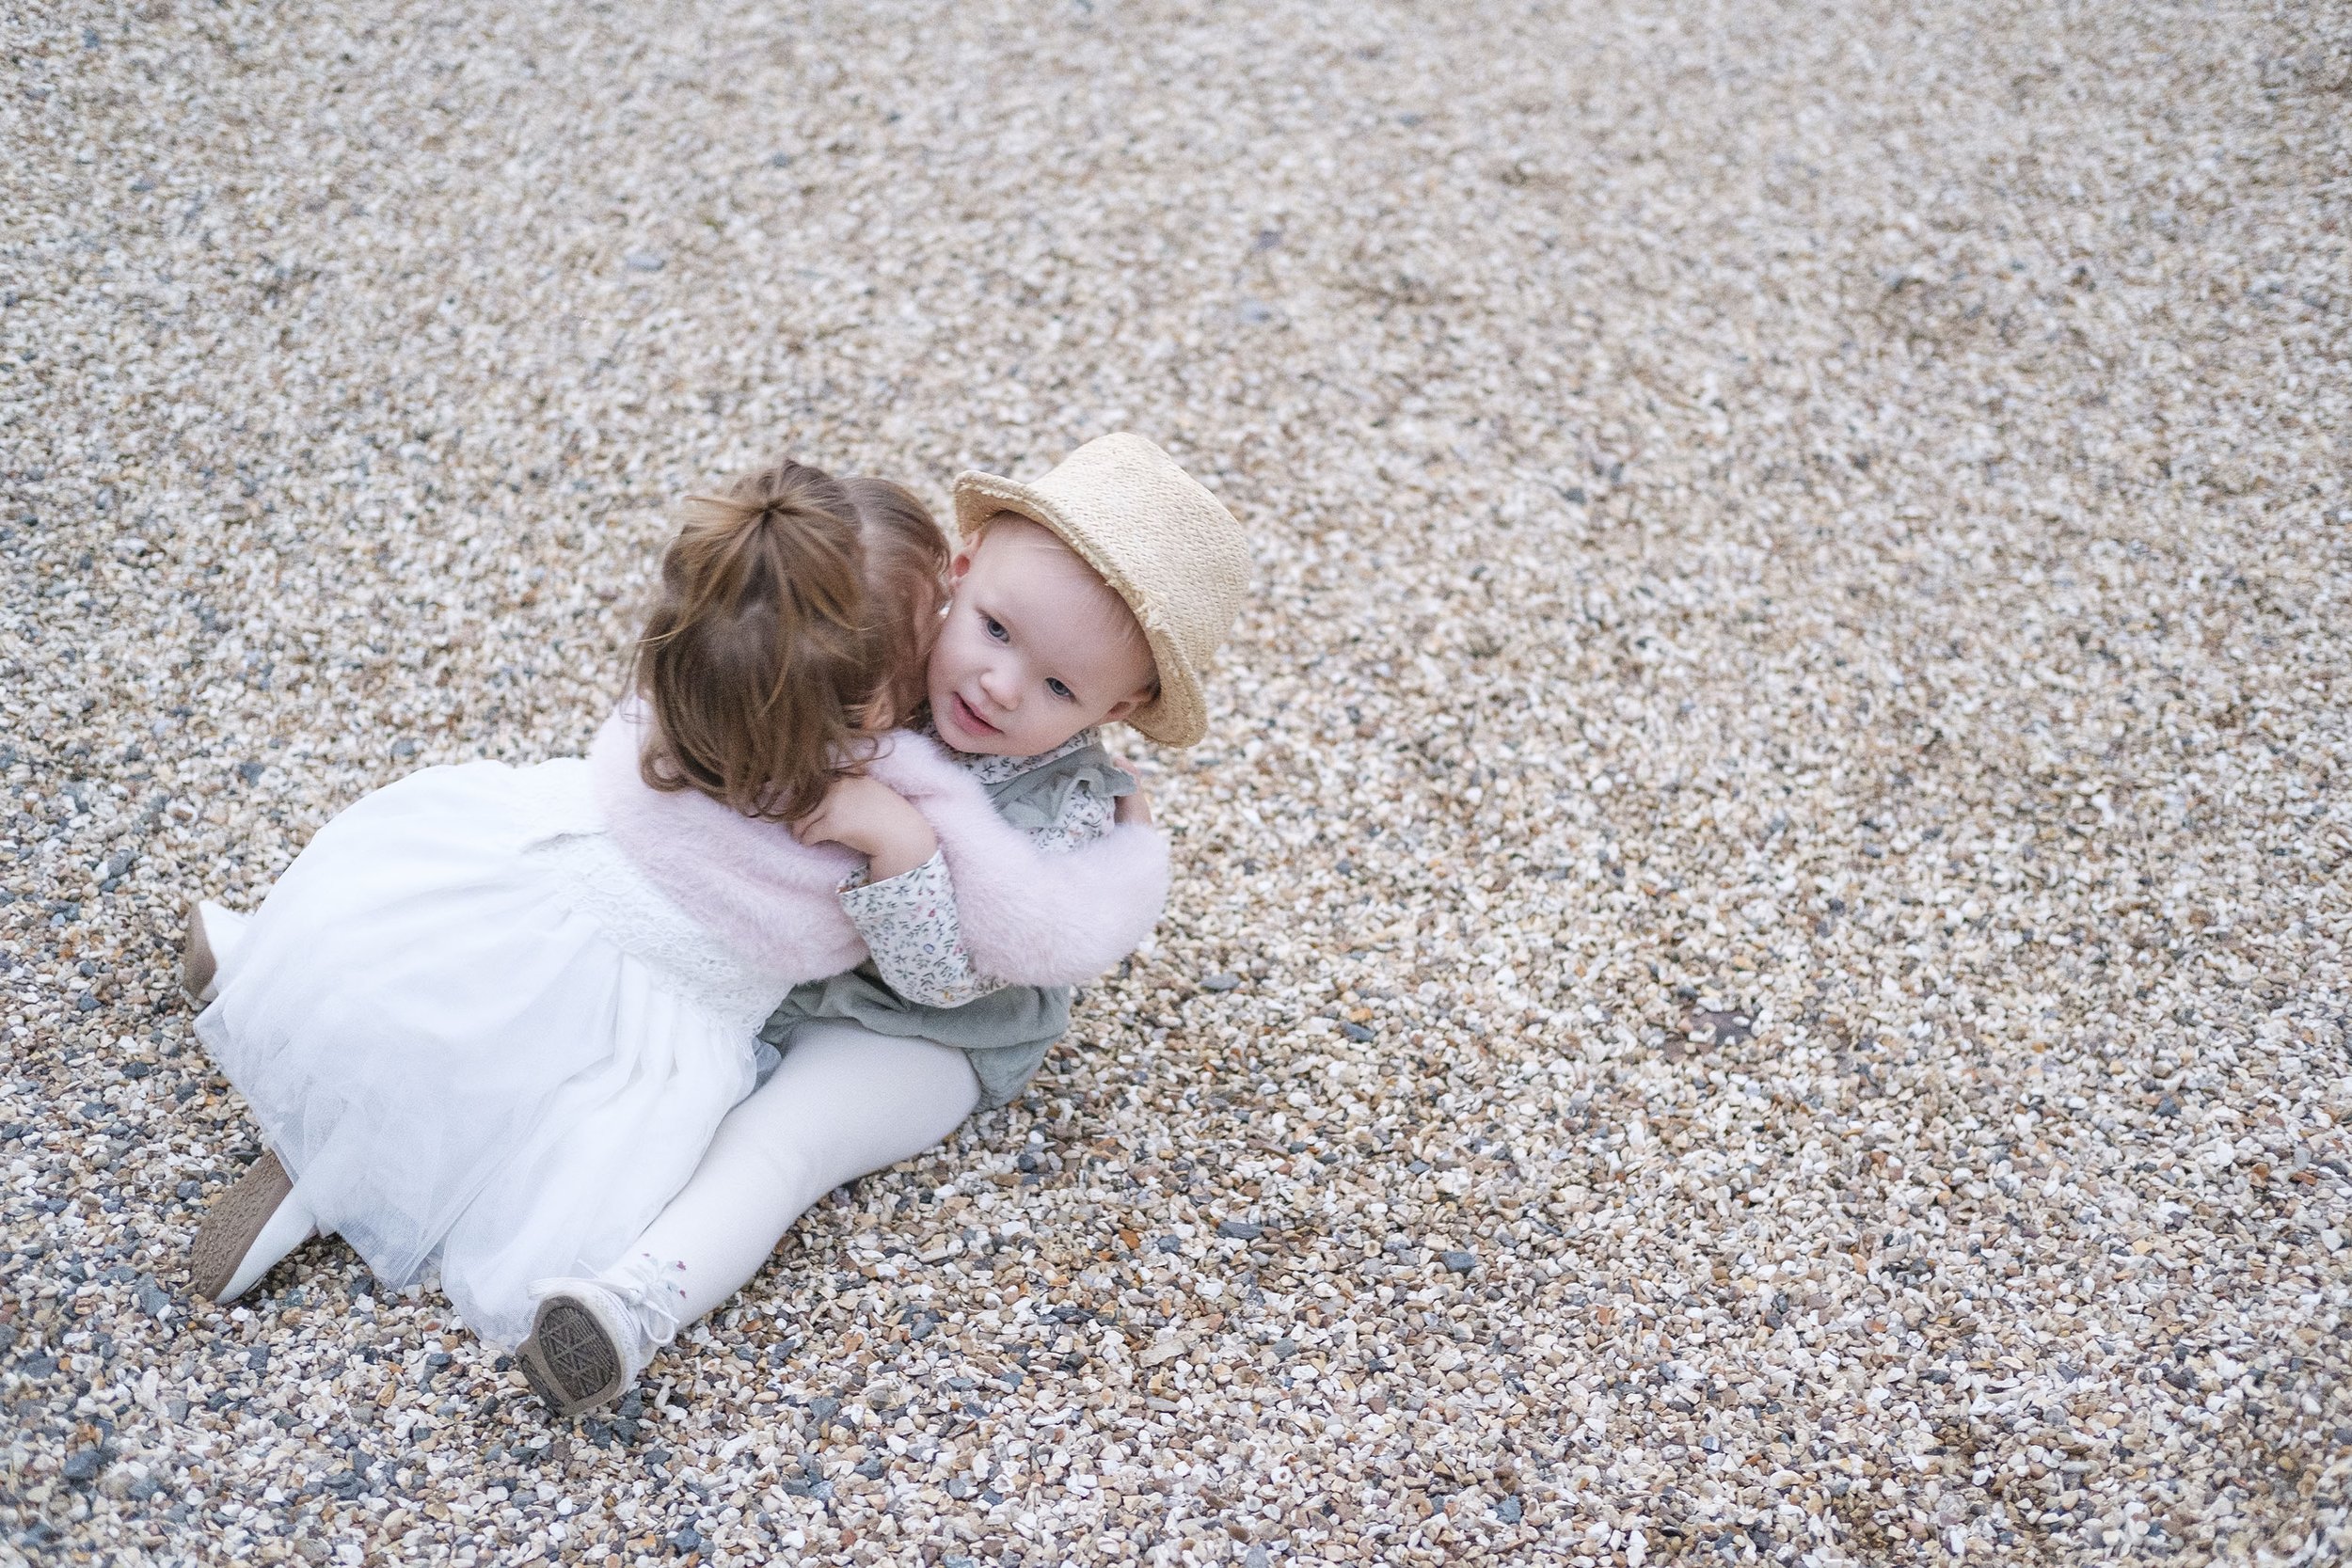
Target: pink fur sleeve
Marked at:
1029, 917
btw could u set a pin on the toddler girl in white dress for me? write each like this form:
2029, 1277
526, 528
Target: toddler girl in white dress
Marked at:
491, 1017
1096, 594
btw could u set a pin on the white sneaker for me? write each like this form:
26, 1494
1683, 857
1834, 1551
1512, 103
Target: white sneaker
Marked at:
591, 1338
215, 934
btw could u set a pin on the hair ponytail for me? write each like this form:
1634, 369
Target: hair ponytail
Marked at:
757, 660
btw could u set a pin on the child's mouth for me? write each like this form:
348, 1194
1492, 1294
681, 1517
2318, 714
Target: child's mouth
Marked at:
970, 720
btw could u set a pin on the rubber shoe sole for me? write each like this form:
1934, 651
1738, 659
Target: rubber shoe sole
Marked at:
569, 1360
527, 1362
233, 1223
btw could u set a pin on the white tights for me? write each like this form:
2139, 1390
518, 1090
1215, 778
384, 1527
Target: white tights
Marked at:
845, 1101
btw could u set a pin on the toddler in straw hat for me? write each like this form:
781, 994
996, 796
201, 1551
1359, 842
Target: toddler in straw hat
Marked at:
491, 1019
1097, 594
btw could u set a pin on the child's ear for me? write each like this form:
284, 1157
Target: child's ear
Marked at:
1126, 706
960, 564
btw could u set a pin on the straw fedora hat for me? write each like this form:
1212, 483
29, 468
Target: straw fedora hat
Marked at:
1169, 546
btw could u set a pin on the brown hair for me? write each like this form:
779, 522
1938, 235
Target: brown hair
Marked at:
906, 587
758, 660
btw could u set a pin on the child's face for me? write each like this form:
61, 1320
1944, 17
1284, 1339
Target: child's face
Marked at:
1036, 646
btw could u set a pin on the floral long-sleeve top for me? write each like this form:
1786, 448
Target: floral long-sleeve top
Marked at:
909, 921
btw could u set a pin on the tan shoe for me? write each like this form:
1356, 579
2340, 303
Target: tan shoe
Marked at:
198, 967
234, 1223
214, 932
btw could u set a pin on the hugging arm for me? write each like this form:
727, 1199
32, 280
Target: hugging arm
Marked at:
1089, 906
912, 933
1060, 918
1026, 914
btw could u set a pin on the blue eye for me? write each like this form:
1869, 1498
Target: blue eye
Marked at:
1061, 691
995, 628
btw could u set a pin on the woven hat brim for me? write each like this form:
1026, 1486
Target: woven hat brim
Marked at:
1180, 714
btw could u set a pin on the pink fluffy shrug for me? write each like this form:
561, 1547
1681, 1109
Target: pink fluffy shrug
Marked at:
1029, 917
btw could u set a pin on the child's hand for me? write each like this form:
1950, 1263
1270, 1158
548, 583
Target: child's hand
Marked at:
870, 817
1133, 808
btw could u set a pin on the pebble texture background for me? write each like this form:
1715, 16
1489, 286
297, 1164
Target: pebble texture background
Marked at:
1758, 968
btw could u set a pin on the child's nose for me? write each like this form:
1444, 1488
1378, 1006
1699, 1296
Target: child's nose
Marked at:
1003, 687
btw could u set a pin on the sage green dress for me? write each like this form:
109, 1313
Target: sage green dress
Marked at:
1007, 1033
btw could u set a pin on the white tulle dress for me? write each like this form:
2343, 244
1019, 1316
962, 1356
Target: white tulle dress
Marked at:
474, 1032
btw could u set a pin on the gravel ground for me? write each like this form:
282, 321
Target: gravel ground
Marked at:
1758, 968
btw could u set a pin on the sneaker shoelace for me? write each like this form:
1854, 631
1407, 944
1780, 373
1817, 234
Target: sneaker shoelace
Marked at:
648, 1288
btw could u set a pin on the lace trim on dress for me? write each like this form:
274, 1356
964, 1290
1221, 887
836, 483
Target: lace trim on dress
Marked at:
642, 920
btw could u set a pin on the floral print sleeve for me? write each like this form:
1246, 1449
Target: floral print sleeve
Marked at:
910, 925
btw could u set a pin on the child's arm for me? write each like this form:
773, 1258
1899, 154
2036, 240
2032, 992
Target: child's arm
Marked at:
910, 923
909, 918
1132, 808
904, 903
870, 817
913, 936
1029, 915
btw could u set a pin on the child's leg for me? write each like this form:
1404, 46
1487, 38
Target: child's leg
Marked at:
845, 1101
